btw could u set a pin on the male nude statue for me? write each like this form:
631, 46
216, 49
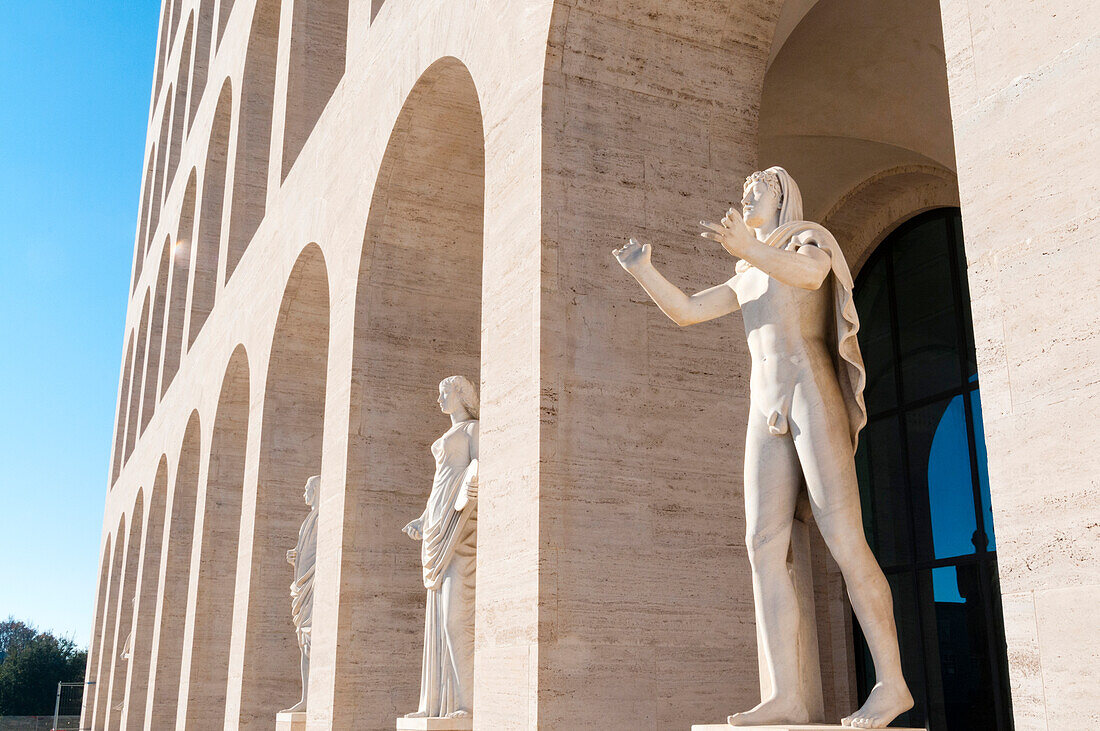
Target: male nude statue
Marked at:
806, 408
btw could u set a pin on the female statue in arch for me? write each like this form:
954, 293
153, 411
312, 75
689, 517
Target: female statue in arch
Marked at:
447, 530
806, 408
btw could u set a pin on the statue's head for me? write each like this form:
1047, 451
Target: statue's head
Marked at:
457, 392
769, 194
310, 493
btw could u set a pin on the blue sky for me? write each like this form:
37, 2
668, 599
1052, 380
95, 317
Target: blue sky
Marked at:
75, 78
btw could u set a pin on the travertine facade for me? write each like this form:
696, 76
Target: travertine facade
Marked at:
345, 201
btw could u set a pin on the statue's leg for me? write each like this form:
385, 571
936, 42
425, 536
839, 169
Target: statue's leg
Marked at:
457, 597
772, 483
823, 442
305, 672
303, 646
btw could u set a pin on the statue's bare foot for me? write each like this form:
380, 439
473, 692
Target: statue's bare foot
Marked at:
886, 702
417, 714
774, 710
458, 714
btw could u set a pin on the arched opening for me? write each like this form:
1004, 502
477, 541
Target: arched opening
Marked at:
225, 9
417, 321
143, 220
250, 166
290, 453
179, 105
123, 401
158, 172
217, 567
318, 45
923, 477
120, 660
145, 612
175, 22
107, 632
181, 274
856, 88
162, 50
156, 332
201, 59
95, 647
208, 240
164, 682
135, 379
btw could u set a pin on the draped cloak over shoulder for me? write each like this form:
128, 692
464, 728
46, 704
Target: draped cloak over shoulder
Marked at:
443, 522
301, 591
847, 359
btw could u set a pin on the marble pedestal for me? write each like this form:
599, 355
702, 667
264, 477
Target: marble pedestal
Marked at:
782, 727
435, 724
290, 721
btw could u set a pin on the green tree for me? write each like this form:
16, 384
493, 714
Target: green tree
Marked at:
14, 636
32, 663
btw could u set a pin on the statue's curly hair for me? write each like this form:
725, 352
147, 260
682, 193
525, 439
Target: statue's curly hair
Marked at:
771, 178
466, 392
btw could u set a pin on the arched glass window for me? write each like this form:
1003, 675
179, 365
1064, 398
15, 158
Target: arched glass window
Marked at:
923, 480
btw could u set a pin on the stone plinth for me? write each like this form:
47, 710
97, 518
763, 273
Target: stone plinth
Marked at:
295, 721
782, 727
435, 724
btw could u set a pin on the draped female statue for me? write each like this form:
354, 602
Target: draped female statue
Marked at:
806, 409
447, 530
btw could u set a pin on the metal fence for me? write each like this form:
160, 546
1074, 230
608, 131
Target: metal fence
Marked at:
38, 723
66, 711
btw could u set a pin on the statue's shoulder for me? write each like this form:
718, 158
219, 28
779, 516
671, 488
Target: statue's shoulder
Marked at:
467, 430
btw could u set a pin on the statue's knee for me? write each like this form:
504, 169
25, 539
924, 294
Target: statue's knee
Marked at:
765, 547
851, 553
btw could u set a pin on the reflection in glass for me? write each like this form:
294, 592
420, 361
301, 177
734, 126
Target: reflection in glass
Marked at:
939, 458
923, 480
927, 324
962, 638
893, 543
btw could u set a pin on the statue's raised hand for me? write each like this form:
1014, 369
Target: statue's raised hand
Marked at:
633, 255
732, 233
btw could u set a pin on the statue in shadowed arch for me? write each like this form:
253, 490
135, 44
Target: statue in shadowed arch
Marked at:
447, 530
303, 557
806, 409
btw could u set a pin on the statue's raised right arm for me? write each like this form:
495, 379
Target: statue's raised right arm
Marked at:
681, 308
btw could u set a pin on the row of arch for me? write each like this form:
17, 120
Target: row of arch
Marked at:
137, 649
193, 251
195, 571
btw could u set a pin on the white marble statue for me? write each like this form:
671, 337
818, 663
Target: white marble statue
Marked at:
806, 409
447, 530
303, 557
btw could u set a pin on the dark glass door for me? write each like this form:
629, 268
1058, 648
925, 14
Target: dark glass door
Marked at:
923, 480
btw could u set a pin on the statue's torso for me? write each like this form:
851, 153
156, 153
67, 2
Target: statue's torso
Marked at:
452, 456
788, 330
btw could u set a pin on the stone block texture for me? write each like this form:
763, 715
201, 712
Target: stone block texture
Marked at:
345, 201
